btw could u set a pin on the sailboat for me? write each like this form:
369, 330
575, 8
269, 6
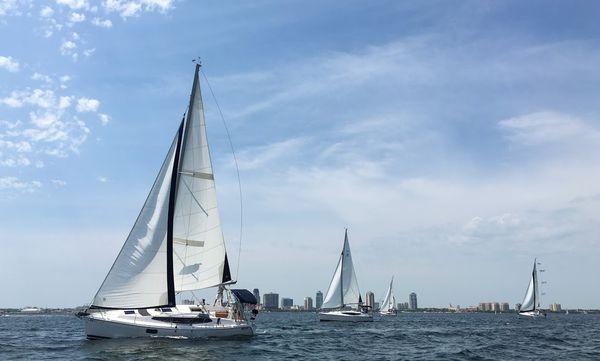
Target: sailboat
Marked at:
176, 245
530, 307
388, 306
342, 301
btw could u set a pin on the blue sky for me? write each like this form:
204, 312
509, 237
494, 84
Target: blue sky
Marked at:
456, 140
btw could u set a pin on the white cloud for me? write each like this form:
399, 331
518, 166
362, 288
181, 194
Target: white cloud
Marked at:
58, 182
67, 47
127, 8
12, 7
89, 52
9, 64
64, 102
41, 77
74, 4
102, 179
77, 17
14, 183
46, 12
104, 119
87, 105
106, 23
547, 127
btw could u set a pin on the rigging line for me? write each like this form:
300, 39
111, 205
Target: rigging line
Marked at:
237, 170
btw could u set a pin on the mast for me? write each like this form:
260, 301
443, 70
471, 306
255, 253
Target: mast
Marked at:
534, 283
342, 267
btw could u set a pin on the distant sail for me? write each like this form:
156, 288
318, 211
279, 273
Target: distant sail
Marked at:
343, 288
531, 302
388, 300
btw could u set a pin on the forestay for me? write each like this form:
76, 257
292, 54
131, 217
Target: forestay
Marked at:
343, 288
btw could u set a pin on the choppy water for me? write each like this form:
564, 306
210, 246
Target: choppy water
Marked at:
409, 336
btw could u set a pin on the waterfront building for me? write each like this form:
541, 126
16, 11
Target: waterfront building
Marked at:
287, 303
555, 307
495, 307
256, 294
504, 307
319, 299
271, 301
403, 305
412, 299
370, 299
308, 303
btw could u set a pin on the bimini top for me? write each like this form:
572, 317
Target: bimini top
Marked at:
245, 296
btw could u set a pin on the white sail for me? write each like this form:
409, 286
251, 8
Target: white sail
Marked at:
531, 301
388, 300
199, 255
138, 277
343, 288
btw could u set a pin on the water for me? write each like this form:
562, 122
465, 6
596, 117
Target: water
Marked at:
408, 336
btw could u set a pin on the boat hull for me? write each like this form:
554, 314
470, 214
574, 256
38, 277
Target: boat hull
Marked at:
98, 327
388, 313
533, 314
345, 316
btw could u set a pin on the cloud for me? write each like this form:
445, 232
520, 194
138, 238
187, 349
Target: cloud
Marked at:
68, 47
74, 4
127, 8
547, 127
41, 77
10, 64
87, 105
46, 12
102, 179
58, 183
8, 7
77, 17
104, 119
14, 183
106, 23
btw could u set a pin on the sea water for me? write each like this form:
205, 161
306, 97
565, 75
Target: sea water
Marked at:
280, 336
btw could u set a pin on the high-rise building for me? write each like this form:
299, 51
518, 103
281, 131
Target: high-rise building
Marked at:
319, 299
271, 301
370, 299
256, 294
403, 305
555, 307
504, 307
495, 306
287, 303
308, 304
412, 301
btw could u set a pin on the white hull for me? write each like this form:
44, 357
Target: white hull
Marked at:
345, 316
389, 313
535, 313
116, 324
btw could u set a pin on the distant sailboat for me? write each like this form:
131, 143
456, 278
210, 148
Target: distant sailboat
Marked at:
388, 306
530, 307
343, 301
175, 245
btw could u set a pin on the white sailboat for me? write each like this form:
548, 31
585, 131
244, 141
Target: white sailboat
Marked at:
176, 245
342, 301
530, 307
388, 306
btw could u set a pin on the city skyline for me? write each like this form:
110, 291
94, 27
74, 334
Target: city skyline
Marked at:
457, 141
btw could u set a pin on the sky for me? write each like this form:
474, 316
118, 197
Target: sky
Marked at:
457, 141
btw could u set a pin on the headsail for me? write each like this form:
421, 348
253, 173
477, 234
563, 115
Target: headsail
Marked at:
176, 243
532, 297
343, 288
138, 277
199, 255
388, 300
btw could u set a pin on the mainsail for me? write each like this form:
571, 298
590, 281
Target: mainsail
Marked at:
176, 243
531, 302
388, 300
343, 288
